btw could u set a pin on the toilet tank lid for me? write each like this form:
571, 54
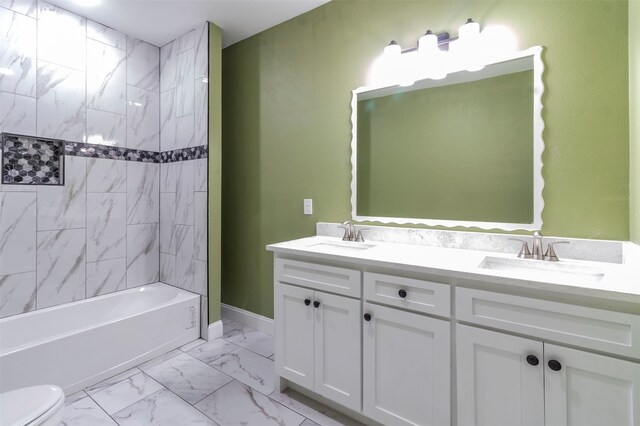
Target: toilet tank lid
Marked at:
22, 406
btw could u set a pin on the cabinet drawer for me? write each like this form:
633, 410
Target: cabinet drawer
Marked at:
320, 277
422, 296
597, 329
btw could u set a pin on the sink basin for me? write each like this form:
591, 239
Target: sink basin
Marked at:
544, 270
342, 246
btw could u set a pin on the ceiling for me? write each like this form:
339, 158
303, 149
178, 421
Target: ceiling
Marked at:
160, 21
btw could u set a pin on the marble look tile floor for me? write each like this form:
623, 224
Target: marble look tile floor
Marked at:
225, 382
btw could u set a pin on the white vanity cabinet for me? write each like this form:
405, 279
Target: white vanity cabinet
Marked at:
401, 344
590, 389
508, 380
406, 367
496, 384
318, 334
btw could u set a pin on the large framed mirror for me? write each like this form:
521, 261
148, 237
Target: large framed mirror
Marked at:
463, 151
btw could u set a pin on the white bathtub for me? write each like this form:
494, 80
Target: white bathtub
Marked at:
81, 343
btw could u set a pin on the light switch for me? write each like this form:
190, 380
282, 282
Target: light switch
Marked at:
308, 206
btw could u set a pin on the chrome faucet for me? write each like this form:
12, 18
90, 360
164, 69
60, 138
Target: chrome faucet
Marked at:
350, 232
549, 254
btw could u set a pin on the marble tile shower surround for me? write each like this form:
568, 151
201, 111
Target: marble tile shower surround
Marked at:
67, 77
579, 249
112, 226
183, 168
100, 91
66, 243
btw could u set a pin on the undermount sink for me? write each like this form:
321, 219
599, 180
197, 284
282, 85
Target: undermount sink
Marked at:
544, 270
350, 246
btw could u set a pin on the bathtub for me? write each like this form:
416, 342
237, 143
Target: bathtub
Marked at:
81, 343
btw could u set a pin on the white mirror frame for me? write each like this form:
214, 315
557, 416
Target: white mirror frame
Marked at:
538, 148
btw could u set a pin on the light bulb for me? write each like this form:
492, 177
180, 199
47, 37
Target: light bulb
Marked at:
470, 49
469, 32
428, 43
393, 49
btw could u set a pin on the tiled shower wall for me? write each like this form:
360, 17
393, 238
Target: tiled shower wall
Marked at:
66, 77
183, 173
63, 76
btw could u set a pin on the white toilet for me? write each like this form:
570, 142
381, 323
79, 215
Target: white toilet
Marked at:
33, 406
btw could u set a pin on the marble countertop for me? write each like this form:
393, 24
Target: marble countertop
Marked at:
620, 282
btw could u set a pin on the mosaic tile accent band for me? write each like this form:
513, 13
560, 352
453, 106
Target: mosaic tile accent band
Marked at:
32, 161
119, 153
110, 152
184, 154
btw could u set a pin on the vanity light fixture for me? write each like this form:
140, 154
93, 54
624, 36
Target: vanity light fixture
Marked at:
435, 56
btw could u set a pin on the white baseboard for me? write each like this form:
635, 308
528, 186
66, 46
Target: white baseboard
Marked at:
215, 330
248, 319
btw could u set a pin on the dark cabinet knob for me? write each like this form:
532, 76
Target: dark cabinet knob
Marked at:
533, 360
555, 365
316, 304
307, 302
367, 317
402, 293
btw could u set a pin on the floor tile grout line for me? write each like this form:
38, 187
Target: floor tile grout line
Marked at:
103, 410
251, 388
196, 359
243, 347
114, 383
133, 403
141, 372
221, 387
187, 402
255, 390
290, 408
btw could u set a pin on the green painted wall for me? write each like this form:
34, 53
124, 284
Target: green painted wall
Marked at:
286, 119
215, 167
634, 117
446, 153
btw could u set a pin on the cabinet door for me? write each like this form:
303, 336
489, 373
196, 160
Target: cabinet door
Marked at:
338, 368
406, 368
294, 334
590, 390
496, 385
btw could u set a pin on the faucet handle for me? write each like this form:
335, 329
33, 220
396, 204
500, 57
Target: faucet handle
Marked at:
524, 253
359, 237
347, 233
550, 254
